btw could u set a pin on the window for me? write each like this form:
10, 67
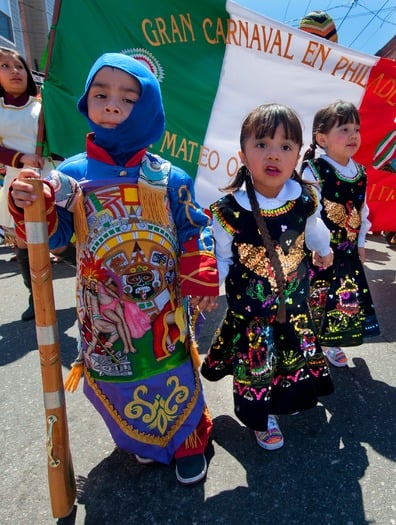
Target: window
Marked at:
5, 27
5, 21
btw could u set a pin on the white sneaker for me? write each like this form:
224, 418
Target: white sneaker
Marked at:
336, 356
272, 438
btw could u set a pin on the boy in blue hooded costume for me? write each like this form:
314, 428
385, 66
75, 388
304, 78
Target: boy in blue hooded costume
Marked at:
145, 260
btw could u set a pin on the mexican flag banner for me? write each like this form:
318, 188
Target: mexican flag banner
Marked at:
216, 61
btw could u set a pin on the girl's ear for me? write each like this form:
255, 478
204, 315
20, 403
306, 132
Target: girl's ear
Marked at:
242, 157
321, 140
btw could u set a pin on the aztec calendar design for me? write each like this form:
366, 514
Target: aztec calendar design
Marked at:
148, 60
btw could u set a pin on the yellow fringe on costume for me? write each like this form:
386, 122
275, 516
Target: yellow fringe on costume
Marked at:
180, 322
195, 357
73, 377
152, 200
80, 219
194, 349
193, 440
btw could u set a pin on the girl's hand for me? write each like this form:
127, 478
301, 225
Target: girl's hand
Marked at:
22, 192
32, 160
362, 254
204, 303
323, 261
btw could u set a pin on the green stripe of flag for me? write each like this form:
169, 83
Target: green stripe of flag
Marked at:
183, 43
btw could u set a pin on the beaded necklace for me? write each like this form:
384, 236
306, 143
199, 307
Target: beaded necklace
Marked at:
278, 211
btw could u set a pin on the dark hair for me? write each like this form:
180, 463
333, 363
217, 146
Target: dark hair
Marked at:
31, 85
263, 121
335, 114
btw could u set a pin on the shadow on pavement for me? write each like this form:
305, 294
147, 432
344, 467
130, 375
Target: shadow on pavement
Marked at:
9, 267
19, 337
313, 479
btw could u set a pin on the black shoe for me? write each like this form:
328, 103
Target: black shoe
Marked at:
29, 314
191, 469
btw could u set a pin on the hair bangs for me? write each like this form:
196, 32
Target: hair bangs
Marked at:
265, 120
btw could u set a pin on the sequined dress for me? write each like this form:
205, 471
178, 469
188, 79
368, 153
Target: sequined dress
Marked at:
340, 298
277, 368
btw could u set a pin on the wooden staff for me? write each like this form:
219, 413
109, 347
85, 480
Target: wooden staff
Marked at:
62, 486
51, 41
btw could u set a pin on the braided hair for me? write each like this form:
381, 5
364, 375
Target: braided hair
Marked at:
269, 245
263, 121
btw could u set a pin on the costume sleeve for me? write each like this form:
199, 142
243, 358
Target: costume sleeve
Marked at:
198, 268
223, 250
364, 227
66, 192
309, 177
19, 217
59, 219
10, 157
317, 235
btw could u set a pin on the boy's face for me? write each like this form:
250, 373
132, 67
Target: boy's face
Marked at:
111, 97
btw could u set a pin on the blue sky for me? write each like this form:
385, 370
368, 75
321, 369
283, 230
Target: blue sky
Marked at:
363, 25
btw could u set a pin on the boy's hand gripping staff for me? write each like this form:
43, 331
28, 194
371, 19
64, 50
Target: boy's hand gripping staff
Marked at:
62, 486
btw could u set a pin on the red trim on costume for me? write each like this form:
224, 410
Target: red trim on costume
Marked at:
161, 329
18, 101
203, 432
16, 160
19, 217
96, 152
198, 274
6, 156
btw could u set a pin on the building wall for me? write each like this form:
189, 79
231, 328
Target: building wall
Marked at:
31, 22
34, 14
389, 49
16, 41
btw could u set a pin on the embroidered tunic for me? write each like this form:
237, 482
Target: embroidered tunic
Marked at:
340, 299
18, 131
148, 248
277, 368
133, 275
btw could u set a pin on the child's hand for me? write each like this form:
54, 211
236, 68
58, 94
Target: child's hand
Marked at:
205, 302
323, 261
362, 254
22, 192
32, 160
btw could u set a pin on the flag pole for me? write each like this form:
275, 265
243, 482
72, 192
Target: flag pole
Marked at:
50, 47
62, 486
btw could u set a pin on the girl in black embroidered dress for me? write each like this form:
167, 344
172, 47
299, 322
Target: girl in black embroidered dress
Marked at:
261, 226
340, 298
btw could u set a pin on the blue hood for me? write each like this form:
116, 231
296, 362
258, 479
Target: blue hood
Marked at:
146, 122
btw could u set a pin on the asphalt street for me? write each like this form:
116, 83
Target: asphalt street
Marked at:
337, 466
